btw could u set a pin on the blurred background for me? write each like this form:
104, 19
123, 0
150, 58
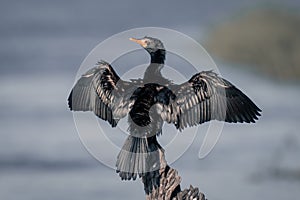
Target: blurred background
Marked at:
255, 44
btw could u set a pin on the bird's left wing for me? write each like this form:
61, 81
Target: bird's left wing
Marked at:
101, 91
205, 97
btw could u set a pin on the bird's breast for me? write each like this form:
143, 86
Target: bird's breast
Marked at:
139, 112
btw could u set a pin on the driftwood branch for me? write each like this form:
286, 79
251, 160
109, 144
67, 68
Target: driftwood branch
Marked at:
168, 184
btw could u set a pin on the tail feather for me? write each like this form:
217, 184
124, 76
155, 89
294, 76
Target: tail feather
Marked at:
139, 156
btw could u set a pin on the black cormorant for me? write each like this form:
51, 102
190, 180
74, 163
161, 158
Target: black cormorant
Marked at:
153, 100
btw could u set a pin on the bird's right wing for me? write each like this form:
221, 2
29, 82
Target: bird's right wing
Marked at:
205, 97
101, 91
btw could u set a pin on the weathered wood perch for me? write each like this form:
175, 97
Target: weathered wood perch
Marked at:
168, 184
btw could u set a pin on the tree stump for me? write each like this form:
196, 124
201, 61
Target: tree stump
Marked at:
168, 186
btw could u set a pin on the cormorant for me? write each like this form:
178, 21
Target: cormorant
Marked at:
153, 100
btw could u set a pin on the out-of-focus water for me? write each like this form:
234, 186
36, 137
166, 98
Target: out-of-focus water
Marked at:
41, 156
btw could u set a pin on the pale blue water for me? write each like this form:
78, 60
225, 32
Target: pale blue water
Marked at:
41, 156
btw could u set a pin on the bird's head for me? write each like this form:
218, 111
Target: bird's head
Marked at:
149, 43
153, 46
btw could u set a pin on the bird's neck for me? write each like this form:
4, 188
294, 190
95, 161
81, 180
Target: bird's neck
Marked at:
158, 56
153, 71
153, 74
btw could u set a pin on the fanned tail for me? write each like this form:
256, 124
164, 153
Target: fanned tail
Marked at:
139, 156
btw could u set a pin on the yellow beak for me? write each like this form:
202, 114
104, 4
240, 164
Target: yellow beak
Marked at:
141, 42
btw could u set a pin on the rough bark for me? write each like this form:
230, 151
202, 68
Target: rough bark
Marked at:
168, 185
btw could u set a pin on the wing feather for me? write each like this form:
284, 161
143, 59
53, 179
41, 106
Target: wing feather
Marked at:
205, 97
101, 91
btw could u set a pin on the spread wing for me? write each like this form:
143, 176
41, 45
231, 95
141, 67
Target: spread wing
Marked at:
205, 97
101, 91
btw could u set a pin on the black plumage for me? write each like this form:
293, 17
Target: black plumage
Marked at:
153, 100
